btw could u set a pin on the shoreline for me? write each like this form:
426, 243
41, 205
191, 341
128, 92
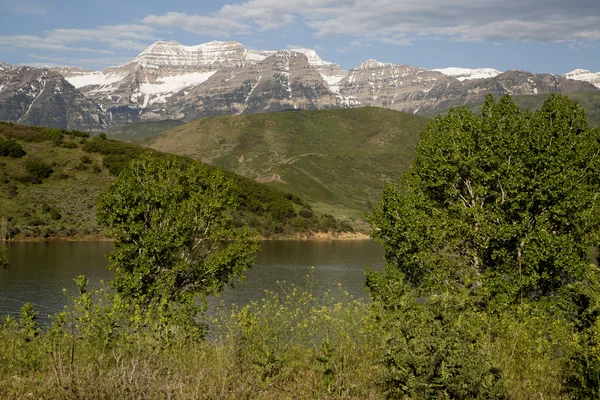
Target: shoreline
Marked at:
323, 236
307, 236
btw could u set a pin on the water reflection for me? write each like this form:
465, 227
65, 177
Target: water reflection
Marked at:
38, 272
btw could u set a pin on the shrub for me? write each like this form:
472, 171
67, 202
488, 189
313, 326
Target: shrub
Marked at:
10, 148
69, 145
55, 215
38, 169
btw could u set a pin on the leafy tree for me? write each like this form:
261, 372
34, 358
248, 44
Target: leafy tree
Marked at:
506, 201
174, 239
503, 206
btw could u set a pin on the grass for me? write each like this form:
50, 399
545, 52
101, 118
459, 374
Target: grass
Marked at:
63, 204
337, 160
140, 130
297, 345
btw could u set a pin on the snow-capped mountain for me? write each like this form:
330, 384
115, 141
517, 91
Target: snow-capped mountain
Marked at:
173, 81
36, 96
464, 74
585, 75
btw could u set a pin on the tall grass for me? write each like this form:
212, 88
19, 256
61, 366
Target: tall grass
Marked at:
289, 345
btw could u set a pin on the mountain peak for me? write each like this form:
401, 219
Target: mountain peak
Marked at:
174, 54
463, 74
313, 57
585, 75
371, 63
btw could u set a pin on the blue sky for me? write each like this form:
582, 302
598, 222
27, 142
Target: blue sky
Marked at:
537, 35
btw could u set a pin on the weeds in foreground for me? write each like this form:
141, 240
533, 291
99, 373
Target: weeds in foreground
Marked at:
288, 345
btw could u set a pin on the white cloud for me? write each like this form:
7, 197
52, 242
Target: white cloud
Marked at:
116, 37
214, 26
76, 62
399, 22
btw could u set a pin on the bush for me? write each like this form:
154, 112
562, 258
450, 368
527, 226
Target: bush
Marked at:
69, 145
38, 169
10, 148
55, 215
306, 213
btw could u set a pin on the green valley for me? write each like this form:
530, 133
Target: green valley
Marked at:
338, 160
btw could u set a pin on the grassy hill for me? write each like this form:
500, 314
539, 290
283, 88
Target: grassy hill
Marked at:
50, 178
589, 101
337, 160
140, 130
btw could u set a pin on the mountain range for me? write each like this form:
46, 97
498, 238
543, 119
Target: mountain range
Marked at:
172, 81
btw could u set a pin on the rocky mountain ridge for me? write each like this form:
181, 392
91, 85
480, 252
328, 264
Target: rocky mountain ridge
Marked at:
172, 81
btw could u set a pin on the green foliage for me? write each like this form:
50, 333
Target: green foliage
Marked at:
46, 208
500, 207
38, 133
140, 130
28, 322
331, 332
293, 345
38, 169
336, 160
590, 101
117, 155
174, 239
69, 145
259, 205
10, 148
55, 214
507, 197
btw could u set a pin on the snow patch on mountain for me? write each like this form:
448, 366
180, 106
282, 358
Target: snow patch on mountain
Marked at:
464, 74
333, 81
370, 64
585, 75
313, 58
94, 79
210, 55
173, 84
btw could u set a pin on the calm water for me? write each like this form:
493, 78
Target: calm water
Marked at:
39, 271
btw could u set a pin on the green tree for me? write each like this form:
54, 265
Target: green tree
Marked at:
504, 206
507, 198
174, 239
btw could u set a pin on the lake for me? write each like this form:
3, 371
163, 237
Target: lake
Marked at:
39, 271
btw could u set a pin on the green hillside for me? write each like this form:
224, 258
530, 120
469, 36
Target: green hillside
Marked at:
140, 130
337, 160
589, 101
50, 178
